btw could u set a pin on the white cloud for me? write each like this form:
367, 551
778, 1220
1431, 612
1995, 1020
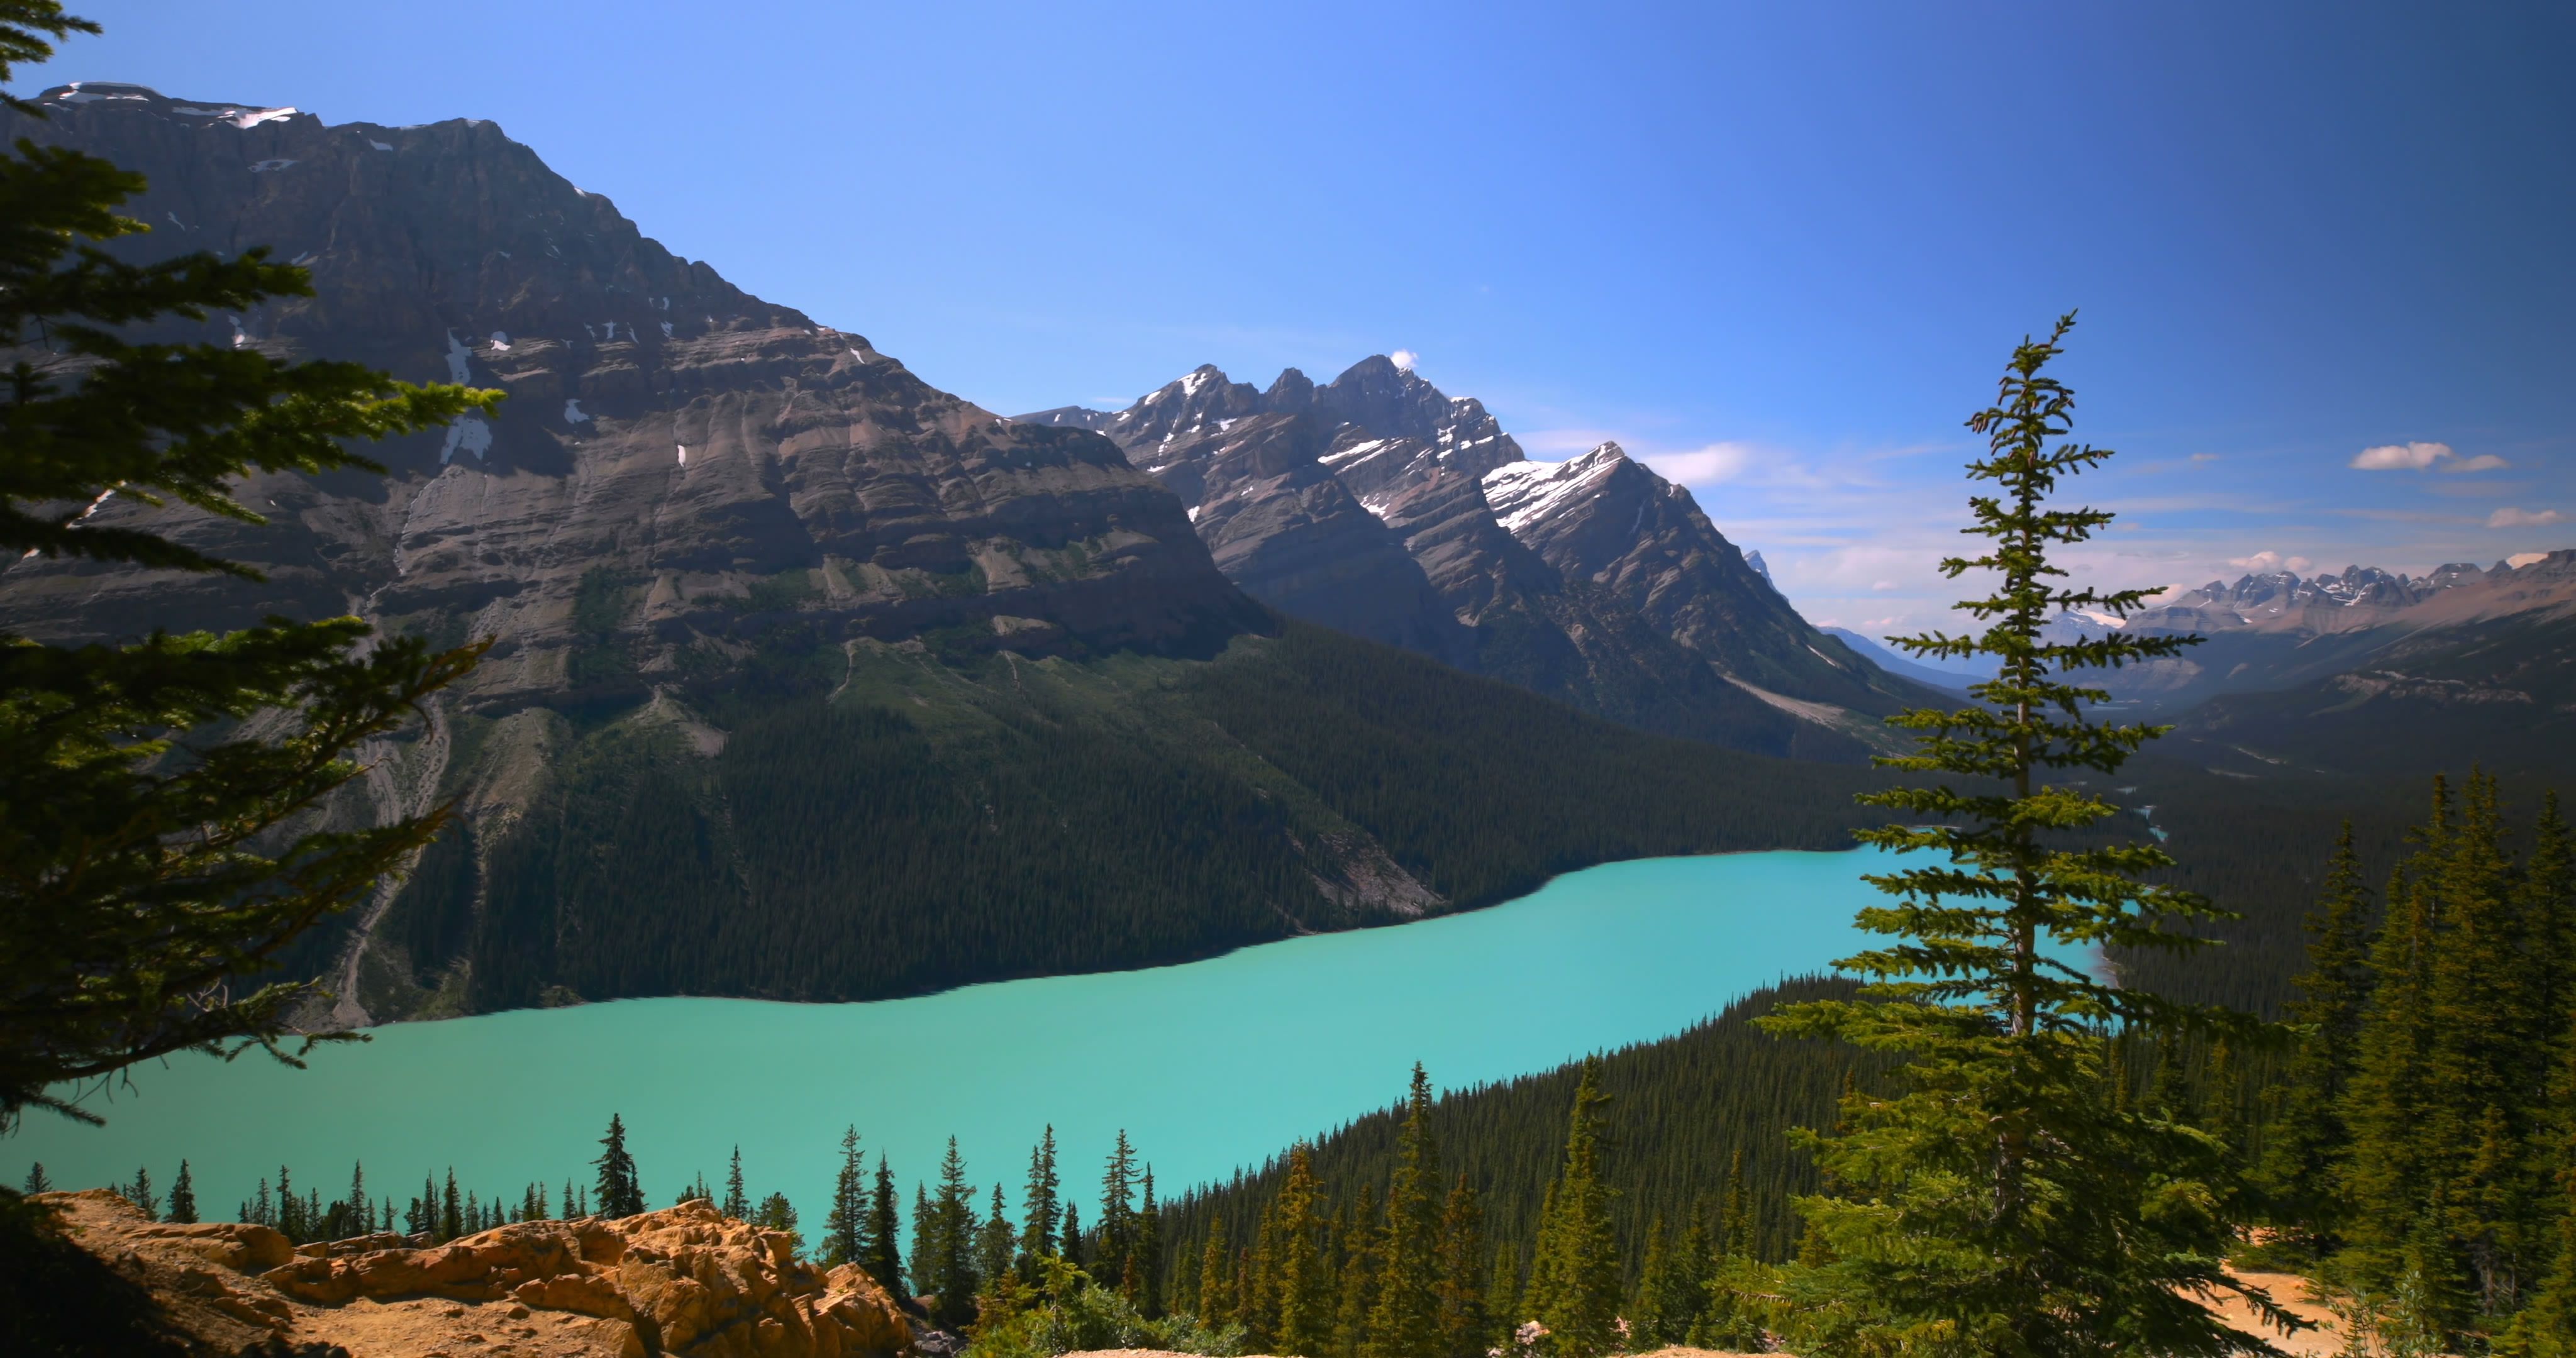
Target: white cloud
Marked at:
2204, 457
2416, 457
1403, 358
1876, 623
2266, 562
2523, 518
2391, 457
1704, 466
2521, 559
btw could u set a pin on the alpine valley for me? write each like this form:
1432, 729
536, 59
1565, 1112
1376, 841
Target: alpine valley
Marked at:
1242, 666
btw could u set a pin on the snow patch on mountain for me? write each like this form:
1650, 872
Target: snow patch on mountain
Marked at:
1524, 492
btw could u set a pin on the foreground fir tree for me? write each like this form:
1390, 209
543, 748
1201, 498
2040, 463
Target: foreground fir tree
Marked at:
2307, 1135
619, 1193
1406, 1321
144, 872
1574, 1281
1998, 1204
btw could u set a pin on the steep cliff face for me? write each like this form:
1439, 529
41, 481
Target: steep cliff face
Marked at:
706, 460
1595, 581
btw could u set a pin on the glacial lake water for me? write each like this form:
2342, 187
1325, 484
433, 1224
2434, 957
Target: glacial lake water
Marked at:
1207, 1065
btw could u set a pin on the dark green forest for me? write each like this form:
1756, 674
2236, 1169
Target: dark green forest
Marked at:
1051, 817
1689, 1117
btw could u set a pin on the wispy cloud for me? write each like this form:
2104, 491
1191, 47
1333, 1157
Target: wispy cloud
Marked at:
2392, 457
2416, 457
2524, 518
2270, 561
1708, 466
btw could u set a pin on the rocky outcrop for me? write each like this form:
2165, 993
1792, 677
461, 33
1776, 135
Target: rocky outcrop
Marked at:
683, 1281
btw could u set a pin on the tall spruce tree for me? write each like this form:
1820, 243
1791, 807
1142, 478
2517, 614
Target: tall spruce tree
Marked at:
1996, 1205
993, 1241
737, 1203
1149, 1250
1574, 1281
1215, 1303
1465, 1323
1301, 1288
183, 1197
1117, 1224
150, 853
881, 1253
1359, 1256
619, 1191
37, 1182
1406, 1323
845, 1226
2307, 1137
1038, 1200
951, 1252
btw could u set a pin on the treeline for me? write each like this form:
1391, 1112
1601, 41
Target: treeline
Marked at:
844, 850
2419, 1148
1686, 1172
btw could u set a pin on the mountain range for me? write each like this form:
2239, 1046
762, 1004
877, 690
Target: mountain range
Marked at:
812, 681
1378, 505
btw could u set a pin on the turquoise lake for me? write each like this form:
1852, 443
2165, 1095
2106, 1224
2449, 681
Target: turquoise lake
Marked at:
1208, 1065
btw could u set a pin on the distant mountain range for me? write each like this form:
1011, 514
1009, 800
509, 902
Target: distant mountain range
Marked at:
811, 681
1378, 505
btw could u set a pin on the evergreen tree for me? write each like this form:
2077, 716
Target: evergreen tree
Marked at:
1503, 1294
1073, 1239
1669, 1292
1149, 1251
1465, 1326
881, 1253
1735, 1231
1304, 1317
183, 1197
2486, 1065
1037, 1232
924, 1270
737, 1203
290, 1210
845, 1227
1406, 1322
36, 1180
1215, 1302
2307, 1136
776, 1213
162, 876
1117, 1228
993, 1244
473, 1214
620, 1189
952, 1217
140, 1194
1574, 1282
1358, 1280
357, 1224
451, 1213
1996, 1205
260, 1212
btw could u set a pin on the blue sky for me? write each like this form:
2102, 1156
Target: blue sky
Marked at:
1779, 250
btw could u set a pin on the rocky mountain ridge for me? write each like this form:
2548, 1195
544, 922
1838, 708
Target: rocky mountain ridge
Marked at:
809, 680
1377, 504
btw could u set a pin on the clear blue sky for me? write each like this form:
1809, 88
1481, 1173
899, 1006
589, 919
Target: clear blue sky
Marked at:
1779, 249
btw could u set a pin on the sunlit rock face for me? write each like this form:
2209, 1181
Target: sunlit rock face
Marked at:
714, 459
